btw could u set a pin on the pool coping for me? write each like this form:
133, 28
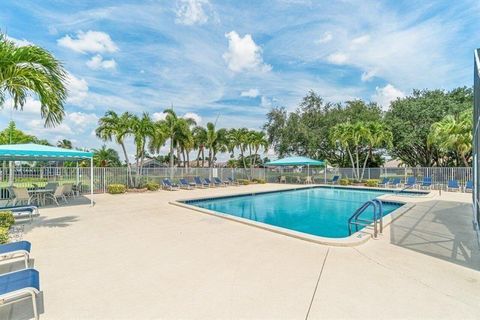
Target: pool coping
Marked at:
355, 239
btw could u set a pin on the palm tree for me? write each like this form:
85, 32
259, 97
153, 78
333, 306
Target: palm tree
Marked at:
31, 69
105, 157
216, 142
377, 136
199, 142
64, 143
143, 129
257, 140
112, 126
238, 138
342, 134
454, 134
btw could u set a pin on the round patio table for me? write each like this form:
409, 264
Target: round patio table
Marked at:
40, 195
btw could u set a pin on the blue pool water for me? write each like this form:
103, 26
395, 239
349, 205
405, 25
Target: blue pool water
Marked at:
318, 211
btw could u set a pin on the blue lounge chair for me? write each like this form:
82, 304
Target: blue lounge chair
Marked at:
233, 182
395, 183
20, 212
469, 186
199, 183
453, 185
426, 182
168, 185
184, 184
210, 182
15, 250
15, 286
384, 182
411, 182
334, 180
219, 182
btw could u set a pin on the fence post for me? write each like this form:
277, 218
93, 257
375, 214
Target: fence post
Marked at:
405, 174
104, 180
325, 175
369, 174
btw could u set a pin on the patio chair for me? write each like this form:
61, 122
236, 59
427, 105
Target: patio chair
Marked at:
21, 196
57, 194
11, 195
233, 182
199, 183
219, 182
183, 183
20, 212
16, 286
426, 183
168, 185
334, 180
51, 186
68, 189
469, 186
309, 180
282, 179
384, 182
15, 250
453, 185
395, 183
411, 182
77, 189
210, 182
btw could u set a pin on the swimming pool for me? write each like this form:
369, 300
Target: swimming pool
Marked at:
317, 211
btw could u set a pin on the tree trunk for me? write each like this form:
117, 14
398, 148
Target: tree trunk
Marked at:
465, 162
203, 157
351, 160
365, 162
358, 161
188, 159
198, 157
129, 174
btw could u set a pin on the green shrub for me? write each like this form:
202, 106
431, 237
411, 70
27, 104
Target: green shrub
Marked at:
6, 219
372, 182
152, 186
116, 188
4, 235
261, 181
344, 182
243, 181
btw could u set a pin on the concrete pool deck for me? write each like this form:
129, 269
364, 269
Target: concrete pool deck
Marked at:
135, 256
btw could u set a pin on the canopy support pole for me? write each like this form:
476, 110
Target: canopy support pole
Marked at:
308, 172
77, 180
91, 181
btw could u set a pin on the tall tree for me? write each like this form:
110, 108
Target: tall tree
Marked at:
410, 120
216, 142
454, 134
28, 70
114, 127
105, 157
65, 143
143, 129
199, 142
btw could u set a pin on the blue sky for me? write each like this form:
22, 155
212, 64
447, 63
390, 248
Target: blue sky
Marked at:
236, 59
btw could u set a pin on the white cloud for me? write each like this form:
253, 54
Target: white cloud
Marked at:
20, 42
361, 40
97, 62
192, 12
337, 58
194, 116
385, 95
81, 120
251, 93
326, 37
157, 116
89, 42
77, 89
37, 128
265, 102
368, 75
244, 54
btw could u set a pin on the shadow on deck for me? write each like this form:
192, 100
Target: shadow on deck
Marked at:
441, 229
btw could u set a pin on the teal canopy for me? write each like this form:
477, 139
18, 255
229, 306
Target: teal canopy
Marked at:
38, 152
295, 161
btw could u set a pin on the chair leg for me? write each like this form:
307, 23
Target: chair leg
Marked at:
34, 302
